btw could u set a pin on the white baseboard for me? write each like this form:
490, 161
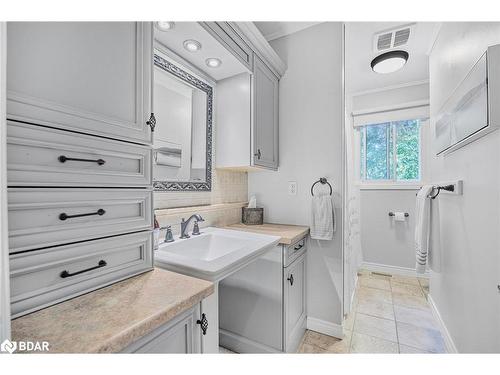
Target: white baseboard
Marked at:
324, 327
393, 270
450, 345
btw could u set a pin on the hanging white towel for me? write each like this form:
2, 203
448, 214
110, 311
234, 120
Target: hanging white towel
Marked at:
323, 223
434, 256
422, 228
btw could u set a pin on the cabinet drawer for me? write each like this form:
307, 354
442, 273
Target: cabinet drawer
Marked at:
44, 277
294, 250
225, 33
41, 156
40, 217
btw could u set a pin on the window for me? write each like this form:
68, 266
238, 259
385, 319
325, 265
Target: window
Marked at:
390, 151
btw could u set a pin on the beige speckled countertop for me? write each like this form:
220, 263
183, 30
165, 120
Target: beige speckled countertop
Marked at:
109, 319
288, 233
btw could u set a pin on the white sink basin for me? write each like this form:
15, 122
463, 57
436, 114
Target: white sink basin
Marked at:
214, 254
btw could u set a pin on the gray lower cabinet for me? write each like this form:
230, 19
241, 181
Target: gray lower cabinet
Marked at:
294, 303
261, 310
181, 335
91, 77
44, 277
265, 116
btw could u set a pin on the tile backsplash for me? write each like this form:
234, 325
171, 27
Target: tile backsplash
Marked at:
219, 207
227, 187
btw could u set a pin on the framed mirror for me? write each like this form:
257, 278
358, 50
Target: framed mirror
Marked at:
182, 147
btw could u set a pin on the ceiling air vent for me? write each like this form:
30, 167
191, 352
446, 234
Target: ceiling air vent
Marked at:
389, 39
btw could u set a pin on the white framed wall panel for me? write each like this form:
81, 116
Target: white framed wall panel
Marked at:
59, 76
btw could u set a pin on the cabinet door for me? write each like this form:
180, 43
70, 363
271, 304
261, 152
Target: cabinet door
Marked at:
179, 336
295, 303
265, 124
93, 77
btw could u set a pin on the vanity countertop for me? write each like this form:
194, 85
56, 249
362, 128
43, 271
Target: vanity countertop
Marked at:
289, 233
109, 319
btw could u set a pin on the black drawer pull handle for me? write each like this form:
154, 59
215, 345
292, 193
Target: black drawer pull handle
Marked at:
203, 322
64, 159
298, 247
65, 216
102, 263
290, 279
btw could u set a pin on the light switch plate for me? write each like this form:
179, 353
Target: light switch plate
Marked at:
292, 187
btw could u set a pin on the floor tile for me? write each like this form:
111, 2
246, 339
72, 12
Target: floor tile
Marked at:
367, 344
405, 279
420, 338
310, 349
424, 282
370, 282
414, 290
349, 321
365, 294
376, 308
419, 318
407, 300
377, 327
403, 349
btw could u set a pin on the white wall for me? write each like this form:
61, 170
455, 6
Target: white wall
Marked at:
465, 291
384, 241
311, 120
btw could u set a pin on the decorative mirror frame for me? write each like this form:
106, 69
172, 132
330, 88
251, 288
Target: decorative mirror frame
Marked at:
197, 83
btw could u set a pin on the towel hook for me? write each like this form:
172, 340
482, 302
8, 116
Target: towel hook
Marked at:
439, 188
322, 181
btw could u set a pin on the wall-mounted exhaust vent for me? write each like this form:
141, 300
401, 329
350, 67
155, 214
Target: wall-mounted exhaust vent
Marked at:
390, 39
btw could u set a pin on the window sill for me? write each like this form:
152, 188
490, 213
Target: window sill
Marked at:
369, 186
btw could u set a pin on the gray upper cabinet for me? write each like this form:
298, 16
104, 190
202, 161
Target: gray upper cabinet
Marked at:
229, 37
91, 77
265, 127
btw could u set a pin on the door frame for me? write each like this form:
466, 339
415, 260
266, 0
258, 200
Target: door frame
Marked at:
4, 244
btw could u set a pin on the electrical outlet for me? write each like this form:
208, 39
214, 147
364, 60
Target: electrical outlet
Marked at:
292, 188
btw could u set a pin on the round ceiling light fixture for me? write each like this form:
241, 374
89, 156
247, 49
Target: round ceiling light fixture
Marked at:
192, 45
389, 62
165, 25
213, 62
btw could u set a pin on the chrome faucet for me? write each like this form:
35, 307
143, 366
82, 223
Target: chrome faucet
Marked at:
185, 223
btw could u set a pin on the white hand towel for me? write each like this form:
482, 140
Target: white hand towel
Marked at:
422, 228
323, 223
434, 260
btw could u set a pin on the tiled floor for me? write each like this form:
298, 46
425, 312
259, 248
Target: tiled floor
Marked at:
390, 315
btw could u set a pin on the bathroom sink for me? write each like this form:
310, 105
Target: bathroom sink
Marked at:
214, 254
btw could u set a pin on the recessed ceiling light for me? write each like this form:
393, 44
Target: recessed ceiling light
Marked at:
212, 62
165, 25
389, 62
192, 45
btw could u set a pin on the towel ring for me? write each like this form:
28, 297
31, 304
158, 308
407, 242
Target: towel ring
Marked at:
322, 181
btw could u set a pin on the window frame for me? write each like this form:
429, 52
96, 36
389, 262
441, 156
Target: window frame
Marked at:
392, 182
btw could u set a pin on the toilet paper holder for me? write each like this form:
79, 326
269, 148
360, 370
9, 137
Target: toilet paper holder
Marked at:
393, 214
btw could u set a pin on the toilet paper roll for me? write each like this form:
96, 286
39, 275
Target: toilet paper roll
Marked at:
399, 216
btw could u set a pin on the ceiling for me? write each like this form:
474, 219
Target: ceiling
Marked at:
174, 39
275, 30
359, 52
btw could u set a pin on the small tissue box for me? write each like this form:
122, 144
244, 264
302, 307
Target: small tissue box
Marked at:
252, 216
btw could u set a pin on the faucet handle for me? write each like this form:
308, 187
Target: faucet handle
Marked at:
196, 228
169, 237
